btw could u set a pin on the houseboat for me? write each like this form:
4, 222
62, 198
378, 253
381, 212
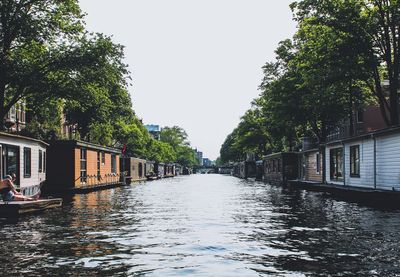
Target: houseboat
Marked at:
78, 166
150, 170
259, 170
133, 169
178, 170
26, 158
245, 169
169, 170
281, 167
369, 161
159, 170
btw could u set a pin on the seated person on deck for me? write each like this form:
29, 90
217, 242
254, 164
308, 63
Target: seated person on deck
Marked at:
8, 191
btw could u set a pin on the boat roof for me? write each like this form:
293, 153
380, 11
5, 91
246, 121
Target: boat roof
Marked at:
15, 136
89, 145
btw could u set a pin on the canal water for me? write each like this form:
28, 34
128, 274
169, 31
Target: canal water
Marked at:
204, 225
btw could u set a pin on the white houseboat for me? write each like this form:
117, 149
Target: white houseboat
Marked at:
370, 161
26, 158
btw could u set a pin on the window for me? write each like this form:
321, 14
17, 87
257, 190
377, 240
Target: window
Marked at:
336, 164
27, 162
44, 161
355, 161
40, 161
318, 161
83, 166
103, 158
113, 164
360, 115
98, 166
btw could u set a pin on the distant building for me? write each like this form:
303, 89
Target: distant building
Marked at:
15, 120
207, 162
154, 130
199, 156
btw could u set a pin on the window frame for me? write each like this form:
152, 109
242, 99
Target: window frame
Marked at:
83, 161
113, 163
318, 163
27, 162
334, 161
355, 161
40, 167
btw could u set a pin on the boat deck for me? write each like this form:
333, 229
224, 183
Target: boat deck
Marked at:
350, 192
17, 208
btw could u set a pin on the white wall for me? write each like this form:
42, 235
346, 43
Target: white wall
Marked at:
366, 179
28, 185
388, 161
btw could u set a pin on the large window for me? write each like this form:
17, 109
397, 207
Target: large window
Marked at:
27, 162
355, 161
40, 161
113, 164
83, 166
336, 164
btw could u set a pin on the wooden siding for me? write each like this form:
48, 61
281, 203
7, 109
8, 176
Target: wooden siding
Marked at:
281, 167
310, 160
132, 168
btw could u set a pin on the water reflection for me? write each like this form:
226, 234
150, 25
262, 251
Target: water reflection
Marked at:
204, 225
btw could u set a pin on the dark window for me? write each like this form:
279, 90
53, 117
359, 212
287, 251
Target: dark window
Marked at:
318, 161
355, 161
336, 164
27, 162
98, 166
113, 164
103, 157
83, 166
40, 161
44, 161
279, 166
360, 115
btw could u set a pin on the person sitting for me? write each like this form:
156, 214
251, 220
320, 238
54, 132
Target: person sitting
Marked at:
8, 191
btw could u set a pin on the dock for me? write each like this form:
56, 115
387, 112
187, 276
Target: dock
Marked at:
370, 195
18, 208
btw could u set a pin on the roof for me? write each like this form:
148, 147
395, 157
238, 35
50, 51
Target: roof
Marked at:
2, 134
377, 133
79, 143
280, 154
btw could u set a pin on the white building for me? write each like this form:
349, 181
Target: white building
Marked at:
368, 161
26, 157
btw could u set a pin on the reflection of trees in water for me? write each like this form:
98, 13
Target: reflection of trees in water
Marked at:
300, 231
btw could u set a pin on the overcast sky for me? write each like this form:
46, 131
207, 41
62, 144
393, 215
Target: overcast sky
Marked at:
194, 63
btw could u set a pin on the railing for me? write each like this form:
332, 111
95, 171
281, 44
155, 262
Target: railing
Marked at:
345, 132
93, 180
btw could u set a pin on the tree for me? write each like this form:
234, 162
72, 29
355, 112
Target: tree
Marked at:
373, 26
33, 37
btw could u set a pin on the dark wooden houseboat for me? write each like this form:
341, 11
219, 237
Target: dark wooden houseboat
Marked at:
133, 169
281, 167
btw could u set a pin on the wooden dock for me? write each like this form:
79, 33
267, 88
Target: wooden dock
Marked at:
17, 208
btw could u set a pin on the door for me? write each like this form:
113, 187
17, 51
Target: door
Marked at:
336, 164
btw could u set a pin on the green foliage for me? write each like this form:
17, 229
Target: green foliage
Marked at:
176, 137
337, 60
